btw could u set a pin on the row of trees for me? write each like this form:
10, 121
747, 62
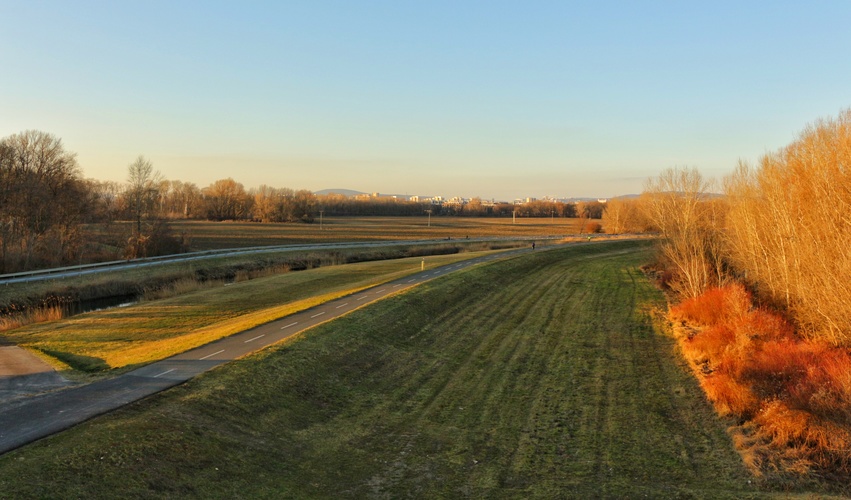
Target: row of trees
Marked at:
147, 195
44, 201
789, 225
336, 204
783, 227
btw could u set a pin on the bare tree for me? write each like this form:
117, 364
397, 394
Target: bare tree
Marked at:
40, 191
142, 190
613, 217
141, 198
790, 228
620, 216
677, 204
226, 199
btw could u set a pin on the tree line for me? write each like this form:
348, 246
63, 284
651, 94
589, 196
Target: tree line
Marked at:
45, 201
782, 227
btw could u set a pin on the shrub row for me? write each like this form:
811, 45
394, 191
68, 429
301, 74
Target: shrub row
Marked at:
792, 396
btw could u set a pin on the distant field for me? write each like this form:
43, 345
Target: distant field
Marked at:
538, 377
204, 235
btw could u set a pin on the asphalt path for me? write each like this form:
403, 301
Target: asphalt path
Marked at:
25, 421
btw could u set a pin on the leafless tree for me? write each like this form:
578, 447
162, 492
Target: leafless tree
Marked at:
225, 199
624, 216
678, 205
40, 196
789, 228
143, 185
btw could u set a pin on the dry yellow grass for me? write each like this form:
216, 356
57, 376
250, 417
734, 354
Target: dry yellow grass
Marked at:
153, 330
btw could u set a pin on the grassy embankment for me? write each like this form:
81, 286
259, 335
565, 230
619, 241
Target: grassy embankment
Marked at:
539, 376
153, 330
21, 303
35, 302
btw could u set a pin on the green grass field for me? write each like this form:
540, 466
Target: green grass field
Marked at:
540, 376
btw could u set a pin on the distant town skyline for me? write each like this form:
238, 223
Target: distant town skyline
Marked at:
352, 193
467, 98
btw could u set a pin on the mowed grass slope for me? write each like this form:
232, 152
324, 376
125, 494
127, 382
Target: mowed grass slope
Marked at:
537, 377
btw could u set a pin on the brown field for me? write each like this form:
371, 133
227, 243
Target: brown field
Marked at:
205, 235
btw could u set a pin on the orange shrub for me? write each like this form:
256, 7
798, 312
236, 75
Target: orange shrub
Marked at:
751, 364
778, 366
785, 425
709, 345
593, 227
716, 305
704, 309
764, 325
729, 396
826, 388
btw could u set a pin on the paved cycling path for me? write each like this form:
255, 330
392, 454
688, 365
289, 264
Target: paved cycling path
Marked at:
26, 420
22, 373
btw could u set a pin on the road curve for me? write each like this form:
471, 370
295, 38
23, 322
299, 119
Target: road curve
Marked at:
25, 421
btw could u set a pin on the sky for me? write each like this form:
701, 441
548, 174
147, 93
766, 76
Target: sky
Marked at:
495, 99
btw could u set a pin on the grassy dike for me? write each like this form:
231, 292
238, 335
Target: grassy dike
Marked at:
537, 377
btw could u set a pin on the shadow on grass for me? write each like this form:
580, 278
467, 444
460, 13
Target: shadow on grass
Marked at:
87, 364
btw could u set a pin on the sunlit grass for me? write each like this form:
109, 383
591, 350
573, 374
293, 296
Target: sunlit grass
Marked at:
537, 377
149, 331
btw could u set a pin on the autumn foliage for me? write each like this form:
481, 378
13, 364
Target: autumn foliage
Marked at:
792, 396
790, 232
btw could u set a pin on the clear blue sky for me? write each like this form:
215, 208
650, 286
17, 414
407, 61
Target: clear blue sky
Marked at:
492, 98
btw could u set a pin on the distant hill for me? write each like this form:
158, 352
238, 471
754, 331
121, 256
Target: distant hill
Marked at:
344, 192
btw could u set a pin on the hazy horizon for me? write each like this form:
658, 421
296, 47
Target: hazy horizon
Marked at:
453, 98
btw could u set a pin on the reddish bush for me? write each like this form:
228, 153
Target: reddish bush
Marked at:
593, 227
715, 306
763, 326
778, 366
710, 344
825, 389
750, 363
729, 396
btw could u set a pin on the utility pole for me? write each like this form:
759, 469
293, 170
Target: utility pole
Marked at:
320, 219
429, 216
514, 216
